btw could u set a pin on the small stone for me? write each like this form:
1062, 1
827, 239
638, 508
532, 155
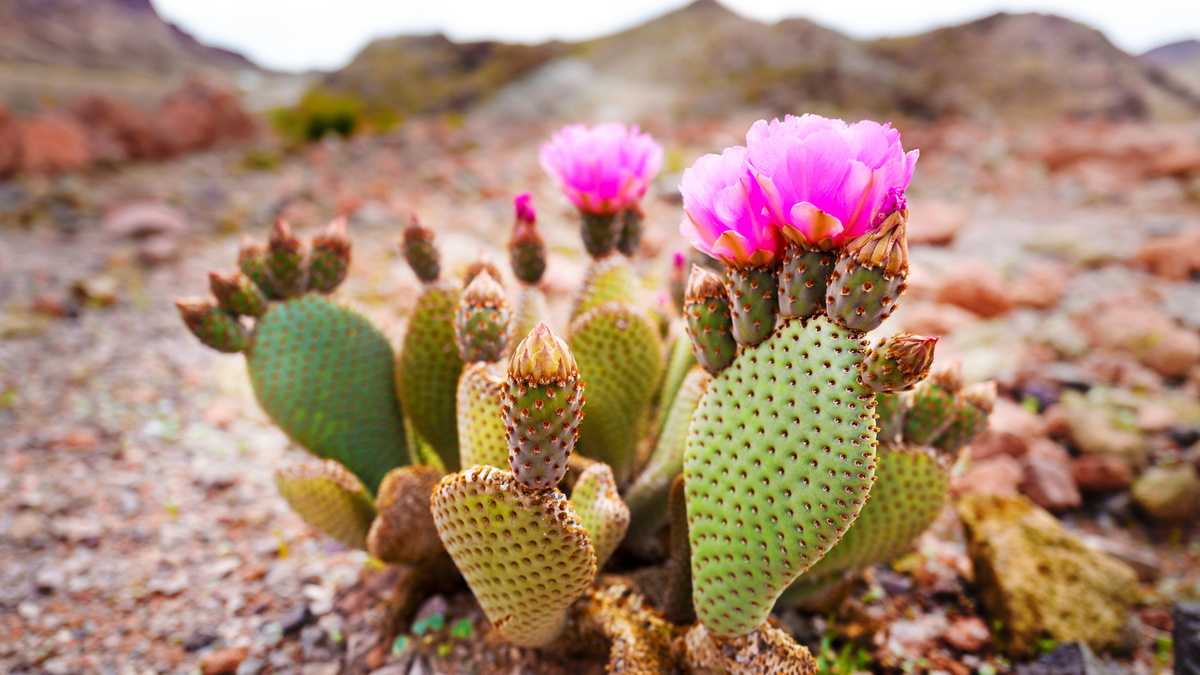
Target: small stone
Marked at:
1073, 658
1186, 634
968, 633
224, 662
26, 525
435, 605
1000, 475
977, 290
1048, 481
1168, 493
993, 443
49, 579
1184, 437
295, 618
159, 249
935, 222
140, 220
331, 668
198, 640
1101, 473
1042, 288
1144, 561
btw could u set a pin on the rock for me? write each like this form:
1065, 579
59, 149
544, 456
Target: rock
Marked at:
10, 143
935, 222
935, 318
1000, 475
49, 579
144, 219
1042, 288
1186, 634
224, 662
1101, 473
1168, 493
1184, 437
198, 640
1073, 658
99, 291
203, 113
1175, 256
1033, 574
1092, 430
159, 249
1134, 324
978, 290
1144, 561
1011, 417
992, 443
52, 143
1048, 480
295, 618
968, 634
116, 130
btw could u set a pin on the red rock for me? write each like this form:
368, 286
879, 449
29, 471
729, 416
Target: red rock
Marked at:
992, 443
1010, 416
201, 114
52, 143
998, 476
977, 290
1135, 324
968, 633
116, 129
10, 142
935, 318
1101, 473
935, 222
1042, 288
1175, 256
224, 662
1048, 481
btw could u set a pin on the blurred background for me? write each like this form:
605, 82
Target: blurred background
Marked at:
1055, 231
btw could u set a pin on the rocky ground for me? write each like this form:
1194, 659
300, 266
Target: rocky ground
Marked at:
140, 530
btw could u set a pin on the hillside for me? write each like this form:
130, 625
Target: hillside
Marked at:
706, 61
1180, 61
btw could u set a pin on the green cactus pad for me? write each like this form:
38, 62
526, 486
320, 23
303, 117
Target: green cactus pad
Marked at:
620, 360
285, 262
604, 281
528, 310
707, 314
803, 280
910, 488
328, 260
780, 458
214, 326
860, 297
237, 294
480, 416
252, 260
322, 372
330, 499
930, 411
889, 411
647, 497
403, 531
755, 304
677, 600
600, 509
428, 369
969, 421
679, 364
481, 321
524, 553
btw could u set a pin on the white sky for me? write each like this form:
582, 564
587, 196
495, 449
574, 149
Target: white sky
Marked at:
302, 34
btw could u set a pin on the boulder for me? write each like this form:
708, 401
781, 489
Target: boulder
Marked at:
116, 129
1037, 580
994, 442
978, 290
203, 113
1168, 493
52, 143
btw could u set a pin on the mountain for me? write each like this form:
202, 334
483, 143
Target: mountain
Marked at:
1179, 61
704, 60
58, 48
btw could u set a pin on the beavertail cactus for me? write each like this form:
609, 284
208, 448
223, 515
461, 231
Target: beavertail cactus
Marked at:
429, 366
603, 170
330, 499
632, 225
524, 553
604, 516
971, 412
320, 370
781, 452
606, 280
932, 406
329, 258
706, 311
898, 363
543, 407
527, 255
482, 319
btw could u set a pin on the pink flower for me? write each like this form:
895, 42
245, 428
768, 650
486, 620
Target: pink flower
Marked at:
524, 206
602, 169
823, 179
724, 214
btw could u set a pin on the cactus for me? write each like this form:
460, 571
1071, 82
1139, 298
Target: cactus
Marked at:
285, 262
604, 516
678, 601
971, 412
481, 321
766, 650
619, 357
869, 277
898, 363
543, 406
632, 225
889, 416
329, 258
931, 406
237, 294
680, 361
215, 326
330, 499
481, 432
709, 321
429, 366
606, 280
803, 280
523, 552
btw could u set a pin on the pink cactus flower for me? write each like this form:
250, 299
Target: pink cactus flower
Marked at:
724, 214
524, 206
602, 169
823, 179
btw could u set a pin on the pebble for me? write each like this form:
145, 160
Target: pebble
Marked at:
1101, 473
295, 618
224, 662
968, 633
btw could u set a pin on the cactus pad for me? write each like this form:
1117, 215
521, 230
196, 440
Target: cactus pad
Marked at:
480, 416
707, 315
329, 498
971, 412
932, 406
528, 310
600, 233
620, 359
428, 369
679, 364
285, 261
604, 281
600, 509
322, 372
860, 297
755, 305
237, 294
329, 258
482, 320
404, 532
524, 553
889, 416
780, 458
214, 326
803, 279
910, 488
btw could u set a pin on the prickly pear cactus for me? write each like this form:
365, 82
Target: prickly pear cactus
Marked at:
780, 457
604, 516
606, 280
323, 373
524, 553
428, 369
679, 364
481, 433
931, 406
620, 359
330, 499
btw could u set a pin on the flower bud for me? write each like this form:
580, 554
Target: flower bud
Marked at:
420, 250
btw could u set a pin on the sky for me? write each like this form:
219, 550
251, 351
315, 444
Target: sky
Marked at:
297, 35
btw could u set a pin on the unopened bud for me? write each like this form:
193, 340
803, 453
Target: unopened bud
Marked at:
329, 259
543, 357
420, 250
898, 363
237, 294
